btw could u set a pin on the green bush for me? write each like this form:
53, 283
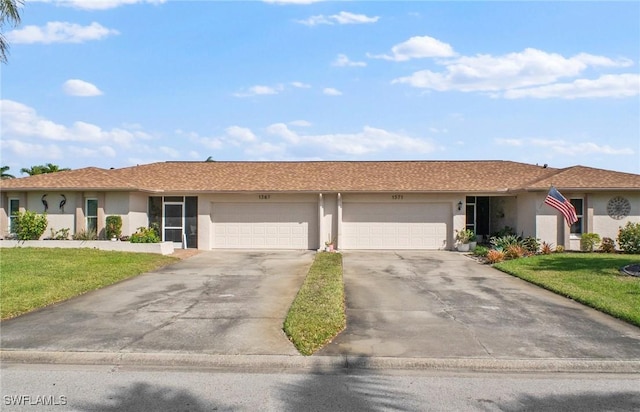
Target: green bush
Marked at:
62, 234
629, 238
481, 251
30, 225
113, 227
589, 241
145, 235
504, 242
86, 235
531, 245
608, 245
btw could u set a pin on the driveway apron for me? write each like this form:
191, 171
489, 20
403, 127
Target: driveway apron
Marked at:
445, 305
214, 303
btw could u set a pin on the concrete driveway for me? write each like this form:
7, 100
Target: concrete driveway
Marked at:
445, 305
212, 303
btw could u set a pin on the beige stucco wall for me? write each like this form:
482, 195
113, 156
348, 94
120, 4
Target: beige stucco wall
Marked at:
329, 219
526, 204
504, 212
603, 224
138, 217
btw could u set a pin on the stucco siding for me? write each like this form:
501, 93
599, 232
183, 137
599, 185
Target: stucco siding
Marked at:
526, 207
603, 224
138, 217
504, 212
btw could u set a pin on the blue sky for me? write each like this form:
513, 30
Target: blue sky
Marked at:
123, 82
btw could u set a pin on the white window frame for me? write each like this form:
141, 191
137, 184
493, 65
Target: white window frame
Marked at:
87, 216
580, 216
11, 217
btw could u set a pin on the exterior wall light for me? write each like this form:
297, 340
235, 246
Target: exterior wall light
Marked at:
460, 205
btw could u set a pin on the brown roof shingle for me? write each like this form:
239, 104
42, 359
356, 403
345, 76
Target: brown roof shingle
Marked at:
329, 176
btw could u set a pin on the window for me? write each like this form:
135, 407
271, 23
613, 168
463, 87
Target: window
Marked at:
91, 212
576, 228
14, 207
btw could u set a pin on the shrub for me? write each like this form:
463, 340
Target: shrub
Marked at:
503, 242
589, 241
559, 249
85, 235
113, 227
30, 225
608, 245
481, 251
145, 235
495, 256
505, 231
531, 244
546, 248
464, 235
515, 252
62, 234
629, 238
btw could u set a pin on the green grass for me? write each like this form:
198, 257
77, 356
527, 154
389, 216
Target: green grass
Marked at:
317, 314
589, 278
32, 278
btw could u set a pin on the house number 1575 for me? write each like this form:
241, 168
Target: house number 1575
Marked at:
397, 197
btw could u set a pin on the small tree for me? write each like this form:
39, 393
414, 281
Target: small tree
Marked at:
629, 238
589, 241
30, 225
114, 226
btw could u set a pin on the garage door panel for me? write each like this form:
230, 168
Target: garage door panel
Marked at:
395, 226
265, 225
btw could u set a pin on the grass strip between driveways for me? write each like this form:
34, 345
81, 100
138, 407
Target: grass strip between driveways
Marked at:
593, 279
32, 278
317, 314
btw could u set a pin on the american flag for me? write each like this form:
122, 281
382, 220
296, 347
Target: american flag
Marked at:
557, 201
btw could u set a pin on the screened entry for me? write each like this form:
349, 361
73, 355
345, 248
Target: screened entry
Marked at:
175, 218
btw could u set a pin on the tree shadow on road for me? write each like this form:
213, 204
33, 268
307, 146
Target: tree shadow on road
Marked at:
144, 397
344, 389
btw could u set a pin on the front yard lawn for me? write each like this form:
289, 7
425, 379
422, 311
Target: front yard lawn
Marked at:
32, 278
593, 279
317, 314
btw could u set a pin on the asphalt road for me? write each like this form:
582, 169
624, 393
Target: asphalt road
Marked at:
84, 388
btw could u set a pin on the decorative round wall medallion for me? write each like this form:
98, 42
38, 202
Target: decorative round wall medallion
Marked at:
618, 207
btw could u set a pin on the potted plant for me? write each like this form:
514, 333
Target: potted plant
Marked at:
473, 242
463, 237
329, 245
113, 227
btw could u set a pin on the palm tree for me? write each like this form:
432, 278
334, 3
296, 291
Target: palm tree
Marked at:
4, 174
42, 169
8, 14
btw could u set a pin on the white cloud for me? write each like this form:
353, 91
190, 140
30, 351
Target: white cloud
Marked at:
418, 47
301, 85
486, 73
59, 32
369, 140
300, 123
259, 90
344, 17
208, 142
564, 147
240, 134
76, 87
97, 4
343, 61
169, 151
20, 121
24, 149
610, 85
330, 91
510, 142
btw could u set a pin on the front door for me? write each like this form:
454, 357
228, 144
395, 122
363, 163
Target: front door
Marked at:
173, 223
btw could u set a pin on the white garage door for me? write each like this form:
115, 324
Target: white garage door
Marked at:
265, 225
395, 225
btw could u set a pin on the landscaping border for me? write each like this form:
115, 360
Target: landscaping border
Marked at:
163, 248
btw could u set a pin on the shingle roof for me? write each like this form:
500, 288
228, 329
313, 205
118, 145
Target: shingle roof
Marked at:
329, 176
581, 177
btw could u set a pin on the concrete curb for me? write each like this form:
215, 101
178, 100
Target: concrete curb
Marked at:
321, 363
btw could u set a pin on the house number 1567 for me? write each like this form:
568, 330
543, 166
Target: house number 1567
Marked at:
264, 197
